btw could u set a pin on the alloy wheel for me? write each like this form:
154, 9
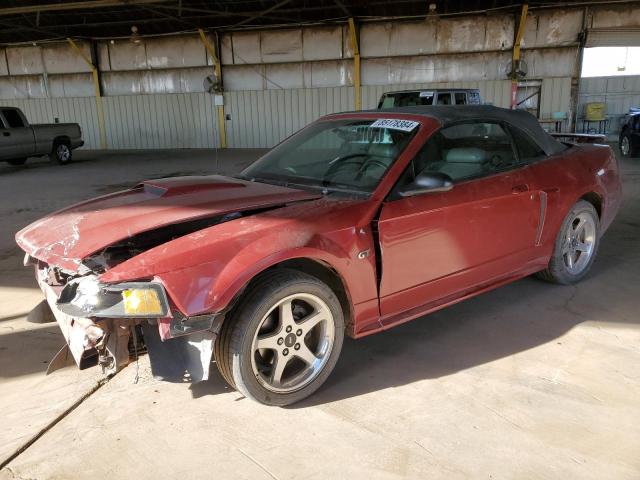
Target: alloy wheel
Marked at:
63, 152
579, 243
292, 343
625, 146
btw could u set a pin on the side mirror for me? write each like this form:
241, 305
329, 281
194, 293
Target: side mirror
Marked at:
427, 182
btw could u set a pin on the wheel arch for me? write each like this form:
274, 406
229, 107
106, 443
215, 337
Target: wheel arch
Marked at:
60, 139
315, 267
594, 199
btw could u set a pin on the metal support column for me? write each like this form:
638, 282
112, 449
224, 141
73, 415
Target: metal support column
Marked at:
355, 45
98, 91
515, 60
217, 66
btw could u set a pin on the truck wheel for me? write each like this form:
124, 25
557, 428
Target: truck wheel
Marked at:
17, 161
576, 246
283, 340
61, 153
627, 148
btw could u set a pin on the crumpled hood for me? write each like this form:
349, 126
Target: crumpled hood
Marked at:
65, 237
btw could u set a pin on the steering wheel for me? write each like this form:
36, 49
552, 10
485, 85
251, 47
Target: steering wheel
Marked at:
371, 163
341, 162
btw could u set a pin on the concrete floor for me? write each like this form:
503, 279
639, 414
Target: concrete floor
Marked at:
529, 381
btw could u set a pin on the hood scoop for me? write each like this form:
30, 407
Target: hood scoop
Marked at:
180, 185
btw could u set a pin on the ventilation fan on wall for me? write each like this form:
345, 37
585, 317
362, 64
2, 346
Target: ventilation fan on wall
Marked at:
516, 70
211, 84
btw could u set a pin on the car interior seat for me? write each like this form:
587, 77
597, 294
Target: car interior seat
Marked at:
462, 162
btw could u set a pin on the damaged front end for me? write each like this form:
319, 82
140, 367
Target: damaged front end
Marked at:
76, 250
106, 324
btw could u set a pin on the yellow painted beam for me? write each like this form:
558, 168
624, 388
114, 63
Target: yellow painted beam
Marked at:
515, 58
356, 64
520, 34
96, 86
217, 69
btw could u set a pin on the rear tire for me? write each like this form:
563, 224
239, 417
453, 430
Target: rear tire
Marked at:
284, 338
16, 162
576, 246
61, 152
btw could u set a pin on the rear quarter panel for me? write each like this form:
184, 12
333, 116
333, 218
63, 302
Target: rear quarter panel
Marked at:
567, 177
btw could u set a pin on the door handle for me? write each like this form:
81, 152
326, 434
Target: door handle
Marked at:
520, 188
6, 134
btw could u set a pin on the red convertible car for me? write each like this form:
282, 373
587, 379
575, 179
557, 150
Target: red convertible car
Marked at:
359, 222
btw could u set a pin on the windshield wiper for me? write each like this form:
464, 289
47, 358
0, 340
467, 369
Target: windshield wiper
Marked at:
324, 189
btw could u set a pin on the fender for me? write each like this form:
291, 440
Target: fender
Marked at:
216, 263
226, 284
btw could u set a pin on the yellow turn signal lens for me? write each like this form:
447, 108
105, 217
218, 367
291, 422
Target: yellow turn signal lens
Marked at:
139, 301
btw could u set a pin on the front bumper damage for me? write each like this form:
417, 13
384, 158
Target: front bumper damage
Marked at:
180, 348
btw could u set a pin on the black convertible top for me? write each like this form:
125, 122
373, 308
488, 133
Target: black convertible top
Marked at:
451, 114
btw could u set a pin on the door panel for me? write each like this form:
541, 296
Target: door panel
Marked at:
15, 141
439, 244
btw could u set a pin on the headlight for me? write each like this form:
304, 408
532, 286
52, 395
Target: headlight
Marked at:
87, 297
142, 301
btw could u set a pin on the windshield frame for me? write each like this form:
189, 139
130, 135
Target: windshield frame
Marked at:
298, 182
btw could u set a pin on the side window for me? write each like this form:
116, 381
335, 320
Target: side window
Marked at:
426, 98
464, 151
2, 123
444, 98
13, 118
461, 98
387, 101
474, 98
528, 150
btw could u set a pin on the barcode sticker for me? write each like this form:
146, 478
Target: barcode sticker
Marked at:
393, 124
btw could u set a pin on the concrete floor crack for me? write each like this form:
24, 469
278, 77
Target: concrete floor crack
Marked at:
50, 425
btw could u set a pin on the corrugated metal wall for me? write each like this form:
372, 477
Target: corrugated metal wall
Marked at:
185, 120
180, 120
619, 93
555, 96
262, 118
259, 118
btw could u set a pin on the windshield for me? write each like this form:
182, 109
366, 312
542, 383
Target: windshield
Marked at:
350, 155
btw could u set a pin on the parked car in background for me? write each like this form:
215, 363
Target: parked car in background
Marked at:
19, 140
438, 96
629, 140
332, 232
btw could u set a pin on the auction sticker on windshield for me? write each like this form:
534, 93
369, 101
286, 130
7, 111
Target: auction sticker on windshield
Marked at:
404, 125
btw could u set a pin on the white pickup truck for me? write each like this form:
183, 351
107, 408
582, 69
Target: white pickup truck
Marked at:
19, 140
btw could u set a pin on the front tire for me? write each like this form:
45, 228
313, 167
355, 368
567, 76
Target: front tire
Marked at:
61, 153
576, 246
627, 147
283, 340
